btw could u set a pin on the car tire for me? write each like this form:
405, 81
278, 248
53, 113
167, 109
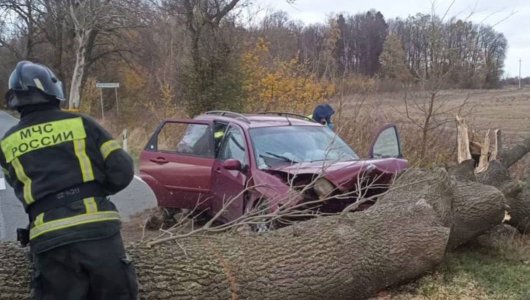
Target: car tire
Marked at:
161, 218
265, 224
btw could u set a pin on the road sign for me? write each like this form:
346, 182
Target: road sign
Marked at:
107, 85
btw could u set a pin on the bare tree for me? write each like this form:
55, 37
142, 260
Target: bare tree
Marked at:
211, 80
91, 18
24, 11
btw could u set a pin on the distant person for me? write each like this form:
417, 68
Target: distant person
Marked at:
322, 114
62, 167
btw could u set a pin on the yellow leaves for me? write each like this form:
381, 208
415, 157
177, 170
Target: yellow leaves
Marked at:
280, 85
167, 92
132, 80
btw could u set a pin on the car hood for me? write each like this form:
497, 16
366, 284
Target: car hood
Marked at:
343, 174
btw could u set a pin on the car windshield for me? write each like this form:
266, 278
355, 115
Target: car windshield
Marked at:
294, 144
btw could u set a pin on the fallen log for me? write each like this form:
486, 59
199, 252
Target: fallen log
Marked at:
340, 257
494, 172
348, 256
467, 207
517, 194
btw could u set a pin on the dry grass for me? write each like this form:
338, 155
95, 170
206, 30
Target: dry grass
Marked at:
507, 109
496, 266
360, 116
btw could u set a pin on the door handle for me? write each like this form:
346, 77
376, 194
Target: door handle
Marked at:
159, 160
218, 170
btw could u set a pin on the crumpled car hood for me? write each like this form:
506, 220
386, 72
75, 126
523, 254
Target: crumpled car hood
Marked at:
344, 174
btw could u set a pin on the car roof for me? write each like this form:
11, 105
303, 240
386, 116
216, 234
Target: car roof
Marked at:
259, 120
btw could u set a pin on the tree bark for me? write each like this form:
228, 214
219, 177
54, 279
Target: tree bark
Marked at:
494, 172
79, 69
349, 256
517, 194
513, 155
467, 207
340, 257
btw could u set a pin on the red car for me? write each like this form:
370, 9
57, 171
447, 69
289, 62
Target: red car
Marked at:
279, 160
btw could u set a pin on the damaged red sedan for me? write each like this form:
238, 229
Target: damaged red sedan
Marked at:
233, 162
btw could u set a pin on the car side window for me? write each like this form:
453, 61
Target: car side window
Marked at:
233, 146
387, 144
187, 139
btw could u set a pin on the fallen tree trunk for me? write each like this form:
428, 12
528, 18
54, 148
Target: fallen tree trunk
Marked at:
517, 193
467, 207
514, 154
340, 257
347, 256
494, 172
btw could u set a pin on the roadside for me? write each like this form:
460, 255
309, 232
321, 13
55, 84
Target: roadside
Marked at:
496, 266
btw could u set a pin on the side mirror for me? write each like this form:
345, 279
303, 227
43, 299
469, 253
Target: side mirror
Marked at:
386, 144
232, 165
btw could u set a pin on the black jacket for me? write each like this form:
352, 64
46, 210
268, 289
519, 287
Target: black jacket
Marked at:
51, 155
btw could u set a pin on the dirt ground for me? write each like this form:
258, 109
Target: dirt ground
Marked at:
134, 229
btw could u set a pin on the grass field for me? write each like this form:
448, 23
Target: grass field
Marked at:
495, 267
507, 109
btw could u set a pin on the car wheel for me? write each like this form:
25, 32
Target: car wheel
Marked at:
262, 223
161, 218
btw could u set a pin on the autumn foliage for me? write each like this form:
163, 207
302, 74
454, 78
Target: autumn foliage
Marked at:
274, 85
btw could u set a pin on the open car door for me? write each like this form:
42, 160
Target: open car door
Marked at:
177, 163
386, 144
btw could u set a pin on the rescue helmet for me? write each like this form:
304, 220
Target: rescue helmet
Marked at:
28, 78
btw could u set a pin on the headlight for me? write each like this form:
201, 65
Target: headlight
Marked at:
323, 188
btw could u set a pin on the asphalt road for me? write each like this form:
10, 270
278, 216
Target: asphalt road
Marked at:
134, 199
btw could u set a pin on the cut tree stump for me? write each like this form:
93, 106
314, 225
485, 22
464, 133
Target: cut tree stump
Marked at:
494, 171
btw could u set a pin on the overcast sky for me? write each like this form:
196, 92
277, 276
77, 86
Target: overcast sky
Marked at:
511, 17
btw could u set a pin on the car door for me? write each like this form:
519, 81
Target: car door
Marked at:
386, 144
229, 182
177, 163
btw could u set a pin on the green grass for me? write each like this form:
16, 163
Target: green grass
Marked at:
497, 266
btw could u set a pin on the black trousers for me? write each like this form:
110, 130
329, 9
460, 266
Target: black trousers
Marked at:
95, 270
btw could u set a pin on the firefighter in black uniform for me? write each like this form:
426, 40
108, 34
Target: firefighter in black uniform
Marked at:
62, 167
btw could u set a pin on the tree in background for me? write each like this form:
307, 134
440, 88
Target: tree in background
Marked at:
467, 55
93, 22
275, 85
193, 55
392, 61
360, 43
69, 35
211, 79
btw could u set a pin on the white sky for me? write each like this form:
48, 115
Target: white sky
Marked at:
511, 17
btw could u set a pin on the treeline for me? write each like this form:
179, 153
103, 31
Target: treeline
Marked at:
205, 54
464, 54
515, 81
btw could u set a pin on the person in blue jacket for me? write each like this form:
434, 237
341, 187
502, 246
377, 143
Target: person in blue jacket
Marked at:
322, 114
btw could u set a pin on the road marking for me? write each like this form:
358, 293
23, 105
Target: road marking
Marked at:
2, 184
2, 222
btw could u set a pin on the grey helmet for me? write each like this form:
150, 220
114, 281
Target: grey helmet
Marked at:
28, 77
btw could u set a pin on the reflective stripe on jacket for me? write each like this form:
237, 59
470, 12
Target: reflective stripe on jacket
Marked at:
48, 152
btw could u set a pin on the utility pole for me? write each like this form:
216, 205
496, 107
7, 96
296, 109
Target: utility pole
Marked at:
520, 73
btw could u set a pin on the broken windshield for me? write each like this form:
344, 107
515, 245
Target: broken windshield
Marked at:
295, 144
